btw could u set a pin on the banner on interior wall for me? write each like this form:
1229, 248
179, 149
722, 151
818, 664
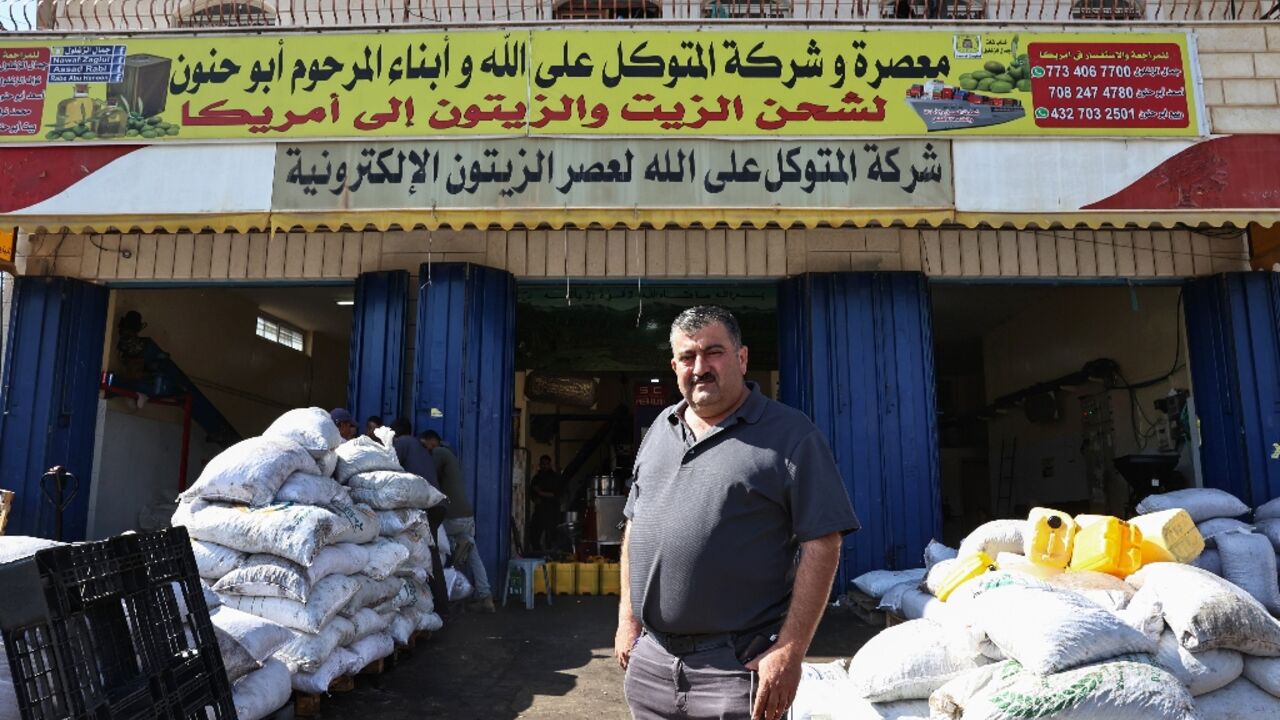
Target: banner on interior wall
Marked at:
672, 82
636, 173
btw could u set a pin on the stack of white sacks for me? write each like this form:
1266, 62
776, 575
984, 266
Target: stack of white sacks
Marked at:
1172, 640
319, 551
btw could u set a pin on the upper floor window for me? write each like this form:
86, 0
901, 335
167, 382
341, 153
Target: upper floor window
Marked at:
281, 333
221, 13
746, 9
1107, 10
933, 9
606, 10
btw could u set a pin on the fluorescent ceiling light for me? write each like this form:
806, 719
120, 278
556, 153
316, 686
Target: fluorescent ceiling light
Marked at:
655, 380
346, 303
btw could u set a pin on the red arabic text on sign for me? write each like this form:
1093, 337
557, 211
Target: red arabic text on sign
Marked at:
1108, 85
24, 75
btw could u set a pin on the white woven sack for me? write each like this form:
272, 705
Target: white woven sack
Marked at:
419, 548
406, 596
419, 574
1210, 529
1270, 529
1263, 672
17, 547
327, 464
264, 575
328, 598
1249, 561
245, 641
1106, 590
994, 537
1206, 612
935, 552
362, 523
394, 522
917, 604
307, 488
1267, 510
1209, 560
385, 557
312, 428
1049, 631
1127, 688
294, 532
319, 681
431, 622
1200, 503
425, 603
459, 587
364, 454
891, 601
249, 472
339, 559
1145, 613
877, 582
1201, 672
390, 490
1241, 700
307, 651
368, 622
370, 593
214, 560
404, 624
262, 692
911, 660
373, 648
823, 693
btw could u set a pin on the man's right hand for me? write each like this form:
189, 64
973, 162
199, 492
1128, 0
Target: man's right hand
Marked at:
624, 640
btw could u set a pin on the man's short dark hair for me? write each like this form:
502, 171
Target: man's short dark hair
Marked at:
401, 426
375, 420
430, 435
700, 316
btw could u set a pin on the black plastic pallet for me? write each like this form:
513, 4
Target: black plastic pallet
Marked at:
113, 630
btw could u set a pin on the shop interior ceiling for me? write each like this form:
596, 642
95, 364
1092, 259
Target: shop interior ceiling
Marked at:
619, 328
962, 312
310, 308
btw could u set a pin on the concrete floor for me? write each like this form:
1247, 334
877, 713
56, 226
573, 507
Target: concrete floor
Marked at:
549, 662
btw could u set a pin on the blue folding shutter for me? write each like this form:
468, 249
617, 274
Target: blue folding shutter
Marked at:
464, 387
857, 357
1233, 338
49, 397
377, 345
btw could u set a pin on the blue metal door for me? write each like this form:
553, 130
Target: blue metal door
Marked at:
464, 387
378, 328
856, 354
1233, 344
49, 397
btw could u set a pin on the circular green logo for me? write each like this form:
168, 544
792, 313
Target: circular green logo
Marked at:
1042, 113
1037, 72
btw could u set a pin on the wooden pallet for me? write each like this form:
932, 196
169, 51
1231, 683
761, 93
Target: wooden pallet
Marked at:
308, 704
377, 667
890, 619
863, 607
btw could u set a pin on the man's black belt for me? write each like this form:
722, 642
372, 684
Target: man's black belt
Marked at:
689, 644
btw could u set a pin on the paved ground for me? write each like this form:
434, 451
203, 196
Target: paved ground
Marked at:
549, 662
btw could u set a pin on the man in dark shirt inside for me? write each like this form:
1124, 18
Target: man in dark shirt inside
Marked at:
416, 458
544, 490
459, 520
735, 517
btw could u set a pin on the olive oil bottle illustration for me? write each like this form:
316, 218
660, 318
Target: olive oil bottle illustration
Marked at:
78, 109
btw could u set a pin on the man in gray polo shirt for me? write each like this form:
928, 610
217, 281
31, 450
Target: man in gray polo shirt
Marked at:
734, 523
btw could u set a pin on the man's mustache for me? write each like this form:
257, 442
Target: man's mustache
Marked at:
704, 376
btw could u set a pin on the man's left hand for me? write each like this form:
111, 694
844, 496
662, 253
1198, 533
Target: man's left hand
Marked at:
779, 671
